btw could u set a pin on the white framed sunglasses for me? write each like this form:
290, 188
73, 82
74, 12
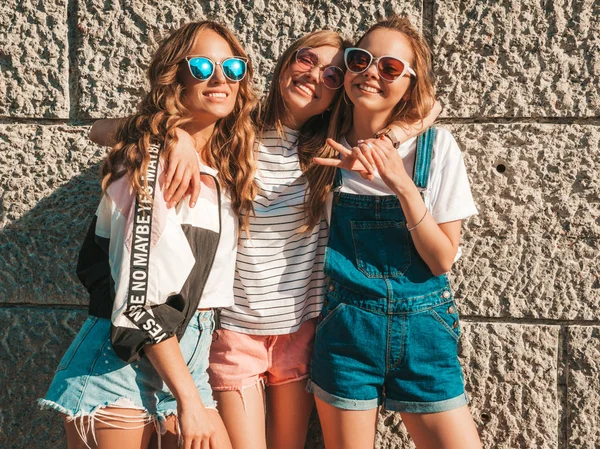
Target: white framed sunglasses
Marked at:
202, 67
390, 68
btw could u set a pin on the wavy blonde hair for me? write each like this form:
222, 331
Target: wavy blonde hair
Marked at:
312, 133
420, 101
230, 149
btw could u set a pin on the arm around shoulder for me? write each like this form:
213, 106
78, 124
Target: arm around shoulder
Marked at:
103, 132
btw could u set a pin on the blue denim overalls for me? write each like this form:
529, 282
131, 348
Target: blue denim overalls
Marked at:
389, 328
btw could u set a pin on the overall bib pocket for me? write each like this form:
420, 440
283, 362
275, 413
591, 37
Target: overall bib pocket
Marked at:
381, 248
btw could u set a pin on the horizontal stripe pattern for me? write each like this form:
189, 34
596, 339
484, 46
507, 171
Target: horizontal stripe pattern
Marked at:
279, 281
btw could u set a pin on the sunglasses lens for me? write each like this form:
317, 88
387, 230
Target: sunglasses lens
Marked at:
201, 68
390, 68
306, 58
357, 60
234, 69
333, 77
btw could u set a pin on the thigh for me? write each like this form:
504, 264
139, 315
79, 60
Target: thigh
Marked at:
453, 429
170, 439
109, 428
347, 429
288, 411
243, 413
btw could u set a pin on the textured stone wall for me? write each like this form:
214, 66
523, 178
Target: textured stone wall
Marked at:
520, 84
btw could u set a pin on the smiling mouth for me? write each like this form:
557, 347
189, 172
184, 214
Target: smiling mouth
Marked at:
304, 88
369, 89
215, 94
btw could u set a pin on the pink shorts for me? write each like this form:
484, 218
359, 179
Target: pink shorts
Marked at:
238, 361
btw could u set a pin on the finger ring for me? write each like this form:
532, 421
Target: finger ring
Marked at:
370, 145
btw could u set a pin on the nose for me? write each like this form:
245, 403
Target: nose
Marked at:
314, 74
218, 77
372, 71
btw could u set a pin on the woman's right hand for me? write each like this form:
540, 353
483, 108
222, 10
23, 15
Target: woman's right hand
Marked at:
354, 160
196, 428
183, 171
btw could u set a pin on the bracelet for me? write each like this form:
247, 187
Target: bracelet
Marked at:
420, 221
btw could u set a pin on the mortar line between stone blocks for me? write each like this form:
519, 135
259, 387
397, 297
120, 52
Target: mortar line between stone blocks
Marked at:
533, 321
562, 387
427, 21
44, 306
72, 18
593, 121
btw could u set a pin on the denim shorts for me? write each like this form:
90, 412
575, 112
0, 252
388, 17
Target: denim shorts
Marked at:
401, 354
91, 376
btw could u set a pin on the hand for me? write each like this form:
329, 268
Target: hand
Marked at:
353, 160
183, 171
388, 162
197, 429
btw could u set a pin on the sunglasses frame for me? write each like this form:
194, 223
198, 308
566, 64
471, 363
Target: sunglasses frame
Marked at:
321, 67
215, 64
374, 60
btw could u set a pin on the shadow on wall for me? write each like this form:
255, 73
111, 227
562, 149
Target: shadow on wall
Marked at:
46, 306
38, 254
38, 251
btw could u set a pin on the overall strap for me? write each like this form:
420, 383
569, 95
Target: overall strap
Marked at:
423, 158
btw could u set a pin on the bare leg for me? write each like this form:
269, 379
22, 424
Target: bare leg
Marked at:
170, 440
243, 413
288, 411
453, 429
347, 429
113, 427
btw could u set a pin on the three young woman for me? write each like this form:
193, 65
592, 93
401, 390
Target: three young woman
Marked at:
155, 274
279, 286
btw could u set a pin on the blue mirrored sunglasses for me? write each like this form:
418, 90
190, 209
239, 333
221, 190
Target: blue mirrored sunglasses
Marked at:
202, 68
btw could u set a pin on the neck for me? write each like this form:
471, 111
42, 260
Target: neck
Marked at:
365, 125
291, 123
200, 132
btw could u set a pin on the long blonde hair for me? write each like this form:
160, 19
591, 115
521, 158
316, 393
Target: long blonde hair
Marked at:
415, 109
230, 149
312, 133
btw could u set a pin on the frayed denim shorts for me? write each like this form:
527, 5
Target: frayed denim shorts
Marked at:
91, 376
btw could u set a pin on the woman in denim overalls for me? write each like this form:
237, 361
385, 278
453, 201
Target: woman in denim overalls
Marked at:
389, 328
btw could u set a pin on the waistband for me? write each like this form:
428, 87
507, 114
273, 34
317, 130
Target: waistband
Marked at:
384, 305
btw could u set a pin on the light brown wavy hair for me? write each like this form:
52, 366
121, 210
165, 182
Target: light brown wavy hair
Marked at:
230, 149
314, 132
421, 97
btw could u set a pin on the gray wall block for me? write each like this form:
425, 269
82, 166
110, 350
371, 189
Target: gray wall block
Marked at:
533, 249
520, 59
49, 190
583, 390
32, 342
34, 59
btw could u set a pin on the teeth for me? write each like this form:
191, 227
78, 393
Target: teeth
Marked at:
217, 94
369, 89
303, 88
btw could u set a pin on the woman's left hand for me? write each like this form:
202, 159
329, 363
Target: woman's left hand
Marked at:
388, 162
